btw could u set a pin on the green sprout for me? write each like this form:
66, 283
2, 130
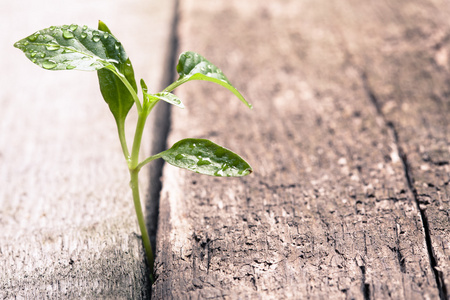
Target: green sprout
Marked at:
74, 47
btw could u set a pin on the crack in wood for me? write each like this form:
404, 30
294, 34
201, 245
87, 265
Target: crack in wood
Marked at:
440, 283
161, 125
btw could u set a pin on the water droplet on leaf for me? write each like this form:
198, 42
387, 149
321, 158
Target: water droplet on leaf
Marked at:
52, 28
85, 27
52, 47
68, 34
96, 38
48, 64
70, 67
73, 27
83, 35
179, 156
105, 35
33, 37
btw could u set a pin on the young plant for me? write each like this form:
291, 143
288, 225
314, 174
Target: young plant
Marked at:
74, 47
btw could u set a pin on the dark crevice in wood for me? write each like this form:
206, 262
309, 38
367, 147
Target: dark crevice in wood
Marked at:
440, 283
426, 227
400, 257
365, 286
161, 125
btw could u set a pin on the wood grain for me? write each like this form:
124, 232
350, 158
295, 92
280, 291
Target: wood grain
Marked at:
67, 224
345, 95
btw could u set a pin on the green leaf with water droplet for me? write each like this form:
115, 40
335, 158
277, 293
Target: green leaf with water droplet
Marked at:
169, 98
205, 157
113, 90
193, 66
74, 46
165, 96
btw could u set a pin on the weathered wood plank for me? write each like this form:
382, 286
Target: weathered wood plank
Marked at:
409, 83
328, 211
67, 222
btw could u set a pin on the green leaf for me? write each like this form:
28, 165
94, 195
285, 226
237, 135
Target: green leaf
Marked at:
75, 47
125, 68
193, 66
114, 91
72, 47
205, 157
165, 96
169, 98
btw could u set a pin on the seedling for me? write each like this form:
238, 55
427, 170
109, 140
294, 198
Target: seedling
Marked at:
74, 47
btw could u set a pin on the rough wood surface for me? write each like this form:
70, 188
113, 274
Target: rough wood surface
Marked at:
349, 143
67, 222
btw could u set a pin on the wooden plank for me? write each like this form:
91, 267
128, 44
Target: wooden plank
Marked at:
328, 212
67, 222
410, 86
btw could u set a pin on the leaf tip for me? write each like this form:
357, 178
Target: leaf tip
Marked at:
102, 26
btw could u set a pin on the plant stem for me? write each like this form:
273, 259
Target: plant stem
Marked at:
147, 160
176, 84
123, 140
134, 184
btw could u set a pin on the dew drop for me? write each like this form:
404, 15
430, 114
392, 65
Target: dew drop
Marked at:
52, 28
52, 47
96, 38
83, 35
42, 55
68, 50
179, 156
65, 27
73, 27
105, 35
33, 37
48, 64
25, 43
33, 60
68, 34
84, 27
117, 45
33, 54
70, 67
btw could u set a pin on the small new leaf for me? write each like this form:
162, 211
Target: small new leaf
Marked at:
193, 66
205, 157
165, 96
